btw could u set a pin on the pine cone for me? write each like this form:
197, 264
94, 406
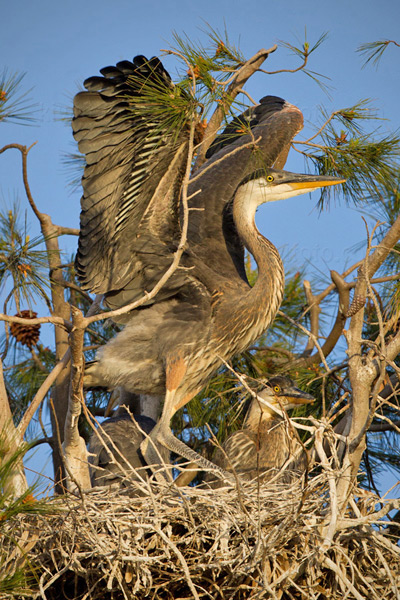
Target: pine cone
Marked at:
28, 335
357, 304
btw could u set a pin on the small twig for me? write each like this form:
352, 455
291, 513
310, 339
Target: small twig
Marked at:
307, 332
314, 310
331, 529
67, 325
67, 230
242, 91
332, 116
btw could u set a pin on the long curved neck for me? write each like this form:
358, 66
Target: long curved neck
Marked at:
271, 278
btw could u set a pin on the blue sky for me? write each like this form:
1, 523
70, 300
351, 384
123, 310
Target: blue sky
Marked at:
58, 45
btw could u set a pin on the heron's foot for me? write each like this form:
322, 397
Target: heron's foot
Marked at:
167, 439
162, 472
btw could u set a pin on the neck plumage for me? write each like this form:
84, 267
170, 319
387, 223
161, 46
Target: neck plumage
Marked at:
268, 289
257, 415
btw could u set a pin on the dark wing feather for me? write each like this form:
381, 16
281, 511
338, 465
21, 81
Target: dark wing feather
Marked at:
212, 233
131, 183
249, 119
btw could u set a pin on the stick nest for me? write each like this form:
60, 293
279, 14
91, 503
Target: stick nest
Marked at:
271, 541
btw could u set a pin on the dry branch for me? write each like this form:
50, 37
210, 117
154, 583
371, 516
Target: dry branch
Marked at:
10, 443
74, 445
240, 78
60, 307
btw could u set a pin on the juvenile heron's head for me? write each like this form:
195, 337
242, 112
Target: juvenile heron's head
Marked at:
281, 391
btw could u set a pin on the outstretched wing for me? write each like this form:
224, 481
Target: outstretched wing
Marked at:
258, 138
132, 126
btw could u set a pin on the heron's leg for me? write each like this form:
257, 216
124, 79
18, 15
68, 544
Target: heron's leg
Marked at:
162, 434
152, 456
175, 372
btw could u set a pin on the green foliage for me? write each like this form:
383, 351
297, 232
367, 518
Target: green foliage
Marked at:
15, 106
23, 265
209, 70
211, 65
303, 52
373, 51
169, 109
369, 165
23, 379
24, 504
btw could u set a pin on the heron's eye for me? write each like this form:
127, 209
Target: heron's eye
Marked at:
277, 389
270, 178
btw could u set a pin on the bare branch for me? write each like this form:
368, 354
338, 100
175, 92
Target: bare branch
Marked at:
376, 259
67, 325
301, 361
328, 120
304, 63
337, 329
60, 307
24, 153
67, 230
240, 78
74, 446
314, 311
12, 440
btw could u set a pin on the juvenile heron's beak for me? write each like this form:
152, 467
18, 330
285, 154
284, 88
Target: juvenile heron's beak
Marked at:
295, 395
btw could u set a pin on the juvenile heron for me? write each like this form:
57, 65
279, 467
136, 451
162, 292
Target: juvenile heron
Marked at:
114, 450
266, 442
137, 149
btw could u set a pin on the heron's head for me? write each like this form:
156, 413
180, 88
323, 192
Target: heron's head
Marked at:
281, 391
269, 185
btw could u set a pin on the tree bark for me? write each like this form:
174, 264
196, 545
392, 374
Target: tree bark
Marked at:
11, 441
74, 446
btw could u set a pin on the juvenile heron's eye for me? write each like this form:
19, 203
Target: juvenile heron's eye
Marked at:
270, 178
277, 389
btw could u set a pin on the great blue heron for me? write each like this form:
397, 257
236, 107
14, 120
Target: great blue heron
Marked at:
266, 442
136, 156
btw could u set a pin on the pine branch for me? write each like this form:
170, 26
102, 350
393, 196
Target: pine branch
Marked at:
15, 107
373, 51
